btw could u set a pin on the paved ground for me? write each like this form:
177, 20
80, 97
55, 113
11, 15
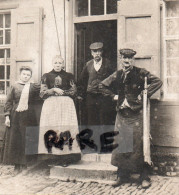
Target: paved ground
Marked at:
36, 181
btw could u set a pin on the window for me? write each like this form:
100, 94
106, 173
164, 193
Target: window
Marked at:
5, 34
94, 20
95, 7
171, 50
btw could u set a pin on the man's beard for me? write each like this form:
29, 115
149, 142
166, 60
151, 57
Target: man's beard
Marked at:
97, 58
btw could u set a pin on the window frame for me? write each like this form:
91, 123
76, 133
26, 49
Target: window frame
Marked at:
5, 47
83, 19
168, 96
93, 18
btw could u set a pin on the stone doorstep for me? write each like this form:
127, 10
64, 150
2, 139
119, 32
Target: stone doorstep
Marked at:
86, 171
95, 157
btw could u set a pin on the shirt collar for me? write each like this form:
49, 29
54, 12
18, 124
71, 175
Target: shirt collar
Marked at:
98, 63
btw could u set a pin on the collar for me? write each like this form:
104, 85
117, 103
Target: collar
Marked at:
22, 83
98, 63
57, 73
128, 71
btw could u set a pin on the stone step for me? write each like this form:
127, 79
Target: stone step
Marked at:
104, 158
85, 171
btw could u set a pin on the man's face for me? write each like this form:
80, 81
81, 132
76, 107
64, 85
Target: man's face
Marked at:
127, 62
97, 54
57, 65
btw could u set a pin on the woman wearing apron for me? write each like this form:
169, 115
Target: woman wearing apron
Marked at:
58, 122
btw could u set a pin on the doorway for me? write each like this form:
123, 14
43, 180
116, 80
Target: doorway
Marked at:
89, 32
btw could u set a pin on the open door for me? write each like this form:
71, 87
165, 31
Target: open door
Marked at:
26, 41
139, 29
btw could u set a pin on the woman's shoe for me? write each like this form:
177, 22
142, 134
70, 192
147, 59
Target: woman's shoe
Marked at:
17, 169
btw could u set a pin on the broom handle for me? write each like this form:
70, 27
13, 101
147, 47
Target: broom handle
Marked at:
146, 125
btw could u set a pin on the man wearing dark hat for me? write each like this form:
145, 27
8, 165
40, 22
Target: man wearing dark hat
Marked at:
95, 71
129, 85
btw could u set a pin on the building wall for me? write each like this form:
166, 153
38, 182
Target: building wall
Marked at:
50, 46
164, 124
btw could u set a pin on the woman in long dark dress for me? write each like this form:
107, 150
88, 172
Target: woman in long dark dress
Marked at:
20, 113
58, 122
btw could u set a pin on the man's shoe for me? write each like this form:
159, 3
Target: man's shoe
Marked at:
146, 183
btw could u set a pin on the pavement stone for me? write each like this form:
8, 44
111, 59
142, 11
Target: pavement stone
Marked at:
38, 183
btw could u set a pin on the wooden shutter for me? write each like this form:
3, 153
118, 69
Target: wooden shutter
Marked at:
139, 29
26, 41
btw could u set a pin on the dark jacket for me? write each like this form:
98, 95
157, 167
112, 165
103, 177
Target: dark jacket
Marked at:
90, 78
62, 80
131, 87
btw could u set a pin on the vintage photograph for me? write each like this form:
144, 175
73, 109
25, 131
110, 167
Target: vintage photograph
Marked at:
89, 97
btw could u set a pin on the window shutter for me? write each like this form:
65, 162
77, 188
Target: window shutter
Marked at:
139, 29
26, 41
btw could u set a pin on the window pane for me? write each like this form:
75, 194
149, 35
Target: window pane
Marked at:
8, 83
7, 20
82, 7
8, 53
2, 72
111, 6
2, 53
97, 7
172, 9
8, 60
8, 72
173, 85
2, 56
173, 48
7, 36
1, 21
1, 37
2, 87
172, 26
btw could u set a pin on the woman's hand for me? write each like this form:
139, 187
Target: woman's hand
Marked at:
7, 121
58, 91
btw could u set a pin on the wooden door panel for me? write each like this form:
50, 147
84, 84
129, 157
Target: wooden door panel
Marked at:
26, 40
139, 29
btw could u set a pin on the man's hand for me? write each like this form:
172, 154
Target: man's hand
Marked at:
139, 97
116, 97
7, 121
79, 98
58, 91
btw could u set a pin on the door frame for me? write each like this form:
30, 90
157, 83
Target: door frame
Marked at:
83, 19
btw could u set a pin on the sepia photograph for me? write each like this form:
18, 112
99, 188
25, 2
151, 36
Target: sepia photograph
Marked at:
89, 97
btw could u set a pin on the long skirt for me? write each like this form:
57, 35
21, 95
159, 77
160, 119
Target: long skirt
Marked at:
14, 145
58, 115
129, 153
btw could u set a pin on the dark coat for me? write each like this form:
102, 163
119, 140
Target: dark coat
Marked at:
15, 136
62, 80
98, 108
129, 121
90, 78
131, 87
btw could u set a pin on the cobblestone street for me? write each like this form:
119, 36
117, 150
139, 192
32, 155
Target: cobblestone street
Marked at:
37, 181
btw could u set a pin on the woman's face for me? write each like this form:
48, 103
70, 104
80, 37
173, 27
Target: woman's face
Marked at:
25, 76
57, 65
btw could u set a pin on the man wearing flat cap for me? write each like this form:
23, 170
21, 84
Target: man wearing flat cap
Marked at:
129, 85
95, 71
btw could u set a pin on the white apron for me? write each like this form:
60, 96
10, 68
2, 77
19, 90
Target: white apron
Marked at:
58, 114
